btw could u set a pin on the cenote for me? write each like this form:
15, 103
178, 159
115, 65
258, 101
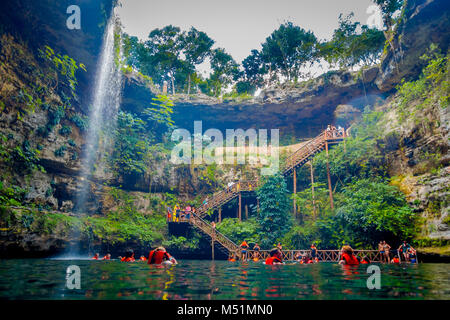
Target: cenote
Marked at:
316, 135
210, 280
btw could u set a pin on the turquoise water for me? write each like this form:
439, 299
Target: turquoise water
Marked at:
200, 279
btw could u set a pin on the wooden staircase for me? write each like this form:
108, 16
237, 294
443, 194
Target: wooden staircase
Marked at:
227, 246
297, 159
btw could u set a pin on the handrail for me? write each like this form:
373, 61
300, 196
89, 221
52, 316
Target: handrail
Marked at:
308, 149
216, 235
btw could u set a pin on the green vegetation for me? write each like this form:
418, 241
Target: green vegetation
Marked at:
63, 78
274, 217
25, 158
126, 223
237, 231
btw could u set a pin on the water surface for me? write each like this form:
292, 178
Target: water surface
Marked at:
200, 279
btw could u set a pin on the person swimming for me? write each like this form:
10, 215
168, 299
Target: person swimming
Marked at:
274, 258
347, 256
160, 256
129, 256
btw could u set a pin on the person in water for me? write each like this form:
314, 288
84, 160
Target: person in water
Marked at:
232, 258
129, 256
364, 260
159, 256
347, 256
412, 255
275, 257
306, 259
96, 256
107, 257
395, 259
142, 258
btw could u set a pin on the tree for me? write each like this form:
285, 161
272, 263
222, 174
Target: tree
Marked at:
287, 49
167, 45
254, 71
160, 114
274, 216
352, 44
373, 210
197, 46
225, 70
388, 8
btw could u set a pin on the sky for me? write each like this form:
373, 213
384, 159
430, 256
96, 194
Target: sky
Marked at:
239, 25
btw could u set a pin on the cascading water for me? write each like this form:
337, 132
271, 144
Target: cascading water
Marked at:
106, 98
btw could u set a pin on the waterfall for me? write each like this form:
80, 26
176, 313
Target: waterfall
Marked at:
103, 109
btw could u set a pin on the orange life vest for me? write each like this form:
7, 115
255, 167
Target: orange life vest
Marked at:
106, 258
129, 259
364, 262
395, 260
349, 259
271, 260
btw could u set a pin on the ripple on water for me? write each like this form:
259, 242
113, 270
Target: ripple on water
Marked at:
194, 279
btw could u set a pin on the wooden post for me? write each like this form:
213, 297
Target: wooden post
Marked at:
257, 205
220, 214
312, 188
329, 179
240, 209
295, 191
212, 246
246, 212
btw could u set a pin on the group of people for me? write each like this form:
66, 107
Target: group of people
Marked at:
346, 255
177, 214
155, 256
335, 132
405, 251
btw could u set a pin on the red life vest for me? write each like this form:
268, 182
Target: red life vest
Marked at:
157, 257
364, 262
349, 259
395, 260
271, 260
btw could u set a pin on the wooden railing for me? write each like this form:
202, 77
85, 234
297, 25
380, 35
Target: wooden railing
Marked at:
298, 158
322, 255
214, 234
224, 196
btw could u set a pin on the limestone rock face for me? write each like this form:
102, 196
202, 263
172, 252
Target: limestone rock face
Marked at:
427, 21
302, 109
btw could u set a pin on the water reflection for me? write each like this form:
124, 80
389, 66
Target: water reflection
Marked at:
45, 279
